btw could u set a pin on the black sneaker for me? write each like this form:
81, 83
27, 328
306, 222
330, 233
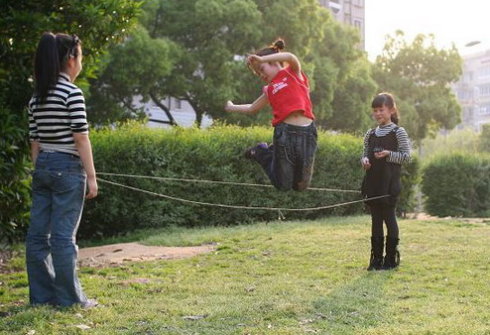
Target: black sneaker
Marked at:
251, 152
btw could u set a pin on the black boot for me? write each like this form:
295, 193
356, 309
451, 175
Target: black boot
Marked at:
392, 258
376, 261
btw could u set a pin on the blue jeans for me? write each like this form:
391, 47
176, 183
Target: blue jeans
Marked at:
58, 191
289, 161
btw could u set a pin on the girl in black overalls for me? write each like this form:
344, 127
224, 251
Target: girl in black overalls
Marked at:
385, 148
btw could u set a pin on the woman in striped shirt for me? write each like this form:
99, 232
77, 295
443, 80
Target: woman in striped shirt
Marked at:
386, 147
62, 154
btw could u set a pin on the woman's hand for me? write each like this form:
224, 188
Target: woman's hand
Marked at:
92, 188
381, 154
253, 59
365, 163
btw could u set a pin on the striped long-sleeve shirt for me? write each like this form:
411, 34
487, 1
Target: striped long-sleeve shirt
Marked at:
61, 114
399, 157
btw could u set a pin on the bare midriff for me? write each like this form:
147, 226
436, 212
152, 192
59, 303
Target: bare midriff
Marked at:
297, 119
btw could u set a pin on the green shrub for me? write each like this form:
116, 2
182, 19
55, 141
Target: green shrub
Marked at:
450, 142
410, 177
457, 185
484, 144
14, 177
213, 154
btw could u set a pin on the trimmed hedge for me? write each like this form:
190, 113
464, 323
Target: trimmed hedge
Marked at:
458, 185
410, 177
212, 154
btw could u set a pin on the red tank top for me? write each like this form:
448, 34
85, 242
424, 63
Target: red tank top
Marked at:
288, 93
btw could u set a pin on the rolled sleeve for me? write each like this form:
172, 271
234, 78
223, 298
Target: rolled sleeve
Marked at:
403, 154
78, 115
366, 144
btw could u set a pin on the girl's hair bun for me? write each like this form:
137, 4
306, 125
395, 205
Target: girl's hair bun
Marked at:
279, 45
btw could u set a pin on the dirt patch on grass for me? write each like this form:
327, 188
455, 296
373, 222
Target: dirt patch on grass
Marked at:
5, 256
115, 254
421, 216
426, 217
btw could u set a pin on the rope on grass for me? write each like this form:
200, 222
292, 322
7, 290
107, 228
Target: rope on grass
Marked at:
237, 206
215, 182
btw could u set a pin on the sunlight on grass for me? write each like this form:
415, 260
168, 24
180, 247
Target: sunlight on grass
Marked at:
280, 278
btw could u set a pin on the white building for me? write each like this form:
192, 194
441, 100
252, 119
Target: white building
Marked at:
181, 111
473, 90
350, 12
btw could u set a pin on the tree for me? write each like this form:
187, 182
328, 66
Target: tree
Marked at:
98, 23
141, 67
199, 38
351, 110
210, 40
419, 74
340, 80
209, 33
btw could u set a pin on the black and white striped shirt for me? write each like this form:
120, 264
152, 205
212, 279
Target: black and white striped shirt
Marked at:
399, 157
61, 114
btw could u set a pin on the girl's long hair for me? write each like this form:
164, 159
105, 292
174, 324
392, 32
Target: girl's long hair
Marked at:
52, 54
386, 99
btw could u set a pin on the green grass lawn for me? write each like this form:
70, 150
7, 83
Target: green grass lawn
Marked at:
279, 278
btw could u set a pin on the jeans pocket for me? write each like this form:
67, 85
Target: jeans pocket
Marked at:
279, 136
39, 179
282, 148
62, 181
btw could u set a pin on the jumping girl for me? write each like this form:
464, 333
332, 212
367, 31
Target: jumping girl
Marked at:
288, 162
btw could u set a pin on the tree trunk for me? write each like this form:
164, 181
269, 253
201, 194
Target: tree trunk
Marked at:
199, 112
198, 121
129, 106
157, 102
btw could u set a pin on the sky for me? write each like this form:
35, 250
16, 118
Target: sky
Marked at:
451, 21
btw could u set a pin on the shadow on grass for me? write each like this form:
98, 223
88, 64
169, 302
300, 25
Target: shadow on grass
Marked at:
359, 304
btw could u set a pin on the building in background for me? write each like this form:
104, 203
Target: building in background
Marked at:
351, 12
473, 90
182, 112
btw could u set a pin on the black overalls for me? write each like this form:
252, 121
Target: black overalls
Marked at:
382, 177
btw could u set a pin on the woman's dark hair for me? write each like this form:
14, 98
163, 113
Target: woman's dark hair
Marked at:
53, 51
275, 47
386, 99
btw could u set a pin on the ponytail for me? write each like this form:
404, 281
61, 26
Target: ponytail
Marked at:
52, 54
275, 47
46, 65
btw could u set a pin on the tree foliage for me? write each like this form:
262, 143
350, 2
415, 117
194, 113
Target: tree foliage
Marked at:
341, 85
419, 74
451, 142
485, 138
138, 68
97, 23
209, 33
210, 40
